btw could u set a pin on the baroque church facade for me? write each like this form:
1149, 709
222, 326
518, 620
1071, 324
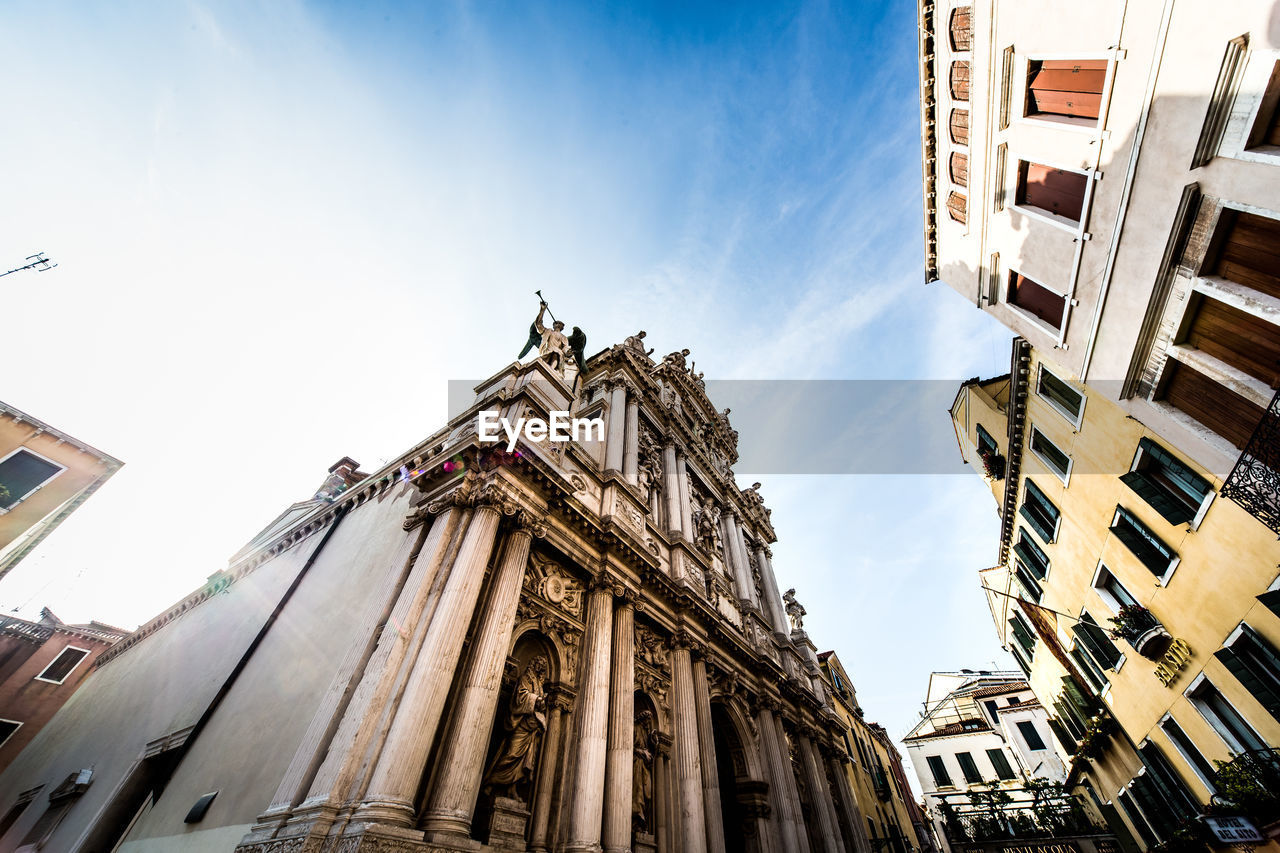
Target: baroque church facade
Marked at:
572, 646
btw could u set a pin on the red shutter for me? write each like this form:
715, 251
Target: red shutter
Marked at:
1068, 87
1245, 342
1035, 299
1055, 190
960, 168
958, 207
960, 81
960, 127
961, 28
1250, 251
1221, 410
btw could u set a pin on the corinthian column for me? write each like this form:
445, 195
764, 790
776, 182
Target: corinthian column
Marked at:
671, 483
692, 810
819, 795
453, 797
737, 557
394, 784
849, 805
773, 600
592, 722
795, 810
631, 450
779, 772
707, 748
620, 759
617, 427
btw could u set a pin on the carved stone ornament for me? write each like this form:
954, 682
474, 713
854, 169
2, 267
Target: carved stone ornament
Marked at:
629, 513
553, 584
650, 648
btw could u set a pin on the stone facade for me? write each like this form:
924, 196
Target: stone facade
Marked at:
573, 646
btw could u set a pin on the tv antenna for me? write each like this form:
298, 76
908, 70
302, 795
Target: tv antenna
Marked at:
37, 262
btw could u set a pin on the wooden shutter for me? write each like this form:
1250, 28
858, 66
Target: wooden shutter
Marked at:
1225, 412
1256, 683
1250, 251
1142, 543
960, 80
1067, 87
962, 28
959, 169
1055, 190
958, 207
969, 768
1097, 643
1174, 511
1036, 299
1272, 136
960, 127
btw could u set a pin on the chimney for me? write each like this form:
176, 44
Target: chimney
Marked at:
342, 475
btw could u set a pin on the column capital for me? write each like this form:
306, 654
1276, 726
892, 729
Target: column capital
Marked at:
534, 524
764, 549
765, 702
683, 639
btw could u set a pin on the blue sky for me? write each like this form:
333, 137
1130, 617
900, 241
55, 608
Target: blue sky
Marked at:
282, 228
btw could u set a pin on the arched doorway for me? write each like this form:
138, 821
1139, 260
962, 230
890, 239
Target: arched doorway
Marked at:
743, 795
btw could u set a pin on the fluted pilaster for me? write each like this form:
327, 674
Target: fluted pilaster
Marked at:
453, 798
822, 809
547, 765
587, 806
707, 751
849, 806
686, 509
631, 450
671, 490
773, 599
779, 771
794, 809
692, 827
617, 427
616, 834
394, 784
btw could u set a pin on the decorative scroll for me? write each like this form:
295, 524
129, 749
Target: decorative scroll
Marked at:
553, 584
1254, 482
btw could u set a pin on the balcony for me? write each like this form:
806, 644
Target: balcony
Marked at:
1138, 627
993, 464
1036, 811
1250, 784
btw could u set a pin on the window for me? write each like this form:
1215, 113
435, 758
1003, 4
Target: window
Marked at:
1256, 664
958, 207
1236, 338
1161, 793
941, 778
1096, 643
1071, 88
1049, 190
960, 80
1051, 455
1001, 764
848, 746
1213, 404
1112, 591
1029, 584
1036, 299
1061, 395
1090, 670
960, 126
1145, 545
959, 169
1203, 769
22, 473
66, 661
61, 799
1031, 555
986, 444
11, 816
961, 28
1023, 635
969, 768
7, 728
1247, 250
1234, 730
1167, 483
1028, 731
997, 199
993, 708
1014, 700
1136, 819
1039, 512
1266, 128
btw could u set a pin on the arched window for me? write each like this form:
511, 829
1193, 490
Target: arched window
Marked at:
959, 169
961, 28
960, 80
958, 207
960, 127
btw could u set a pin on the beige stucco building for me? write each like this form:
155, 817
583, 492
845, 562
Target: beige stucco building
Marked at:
573, 646
1141, 603
45, 475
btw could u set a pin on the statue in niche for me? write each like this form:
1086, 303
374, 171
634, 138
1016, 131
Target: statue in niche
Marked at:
525, 723
641, 774
650, 468
795, 610
636, 342
706, 524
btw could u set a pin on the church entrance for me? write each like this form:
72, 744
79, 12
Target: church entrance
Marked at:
732, 768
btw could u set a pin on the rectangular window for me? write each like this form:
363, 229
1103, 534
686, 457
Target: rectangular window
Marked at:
1028, 731
1234, 730
959, 168
1265, 135
1210, 402
986, 444
1030, 586
1136, 818
997, 201
1036, 299
1061, 395
1167, 483
1144, 544
969, 768
7, 728
1023, 635
1066, 87
1006, 88
1040, 512
993, 708
941, 778
1096, 643
1051, 455
1001, 764
22, 473
1056, 191
1189, 751
1031, 555
66, 661
1090, 670
1112, 591
15, 811
1256, 664
1237, 338
1171, 798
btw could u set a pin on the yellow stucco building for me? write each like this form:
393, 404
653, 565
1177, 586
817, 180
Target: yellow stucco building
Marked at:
1143, 604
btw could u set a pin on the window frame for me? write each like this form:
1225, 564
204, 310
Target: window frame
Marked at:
938, 784
1197, 762
1085, 652
1075, 420
16, 725
1108, 598
976, 778
1074, 124
1175, 560
992, 753
55, 475
1076, 228
1233, 744
58, 657
1143, 452
1268, 650
1264, 109
1064, 476
1027, 488
1042, 325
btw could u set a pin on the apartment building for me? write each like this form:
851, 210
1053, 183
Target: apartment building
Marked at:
1142, 605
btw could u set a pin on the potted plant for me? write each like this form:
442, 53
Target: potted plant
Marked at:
1137, 626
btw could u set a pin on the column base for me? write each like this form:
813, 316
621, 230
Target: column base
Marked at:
644, 843
509, 823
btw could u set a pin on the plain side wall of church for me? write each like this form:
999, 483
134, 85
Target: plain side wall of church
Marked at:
249, 743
